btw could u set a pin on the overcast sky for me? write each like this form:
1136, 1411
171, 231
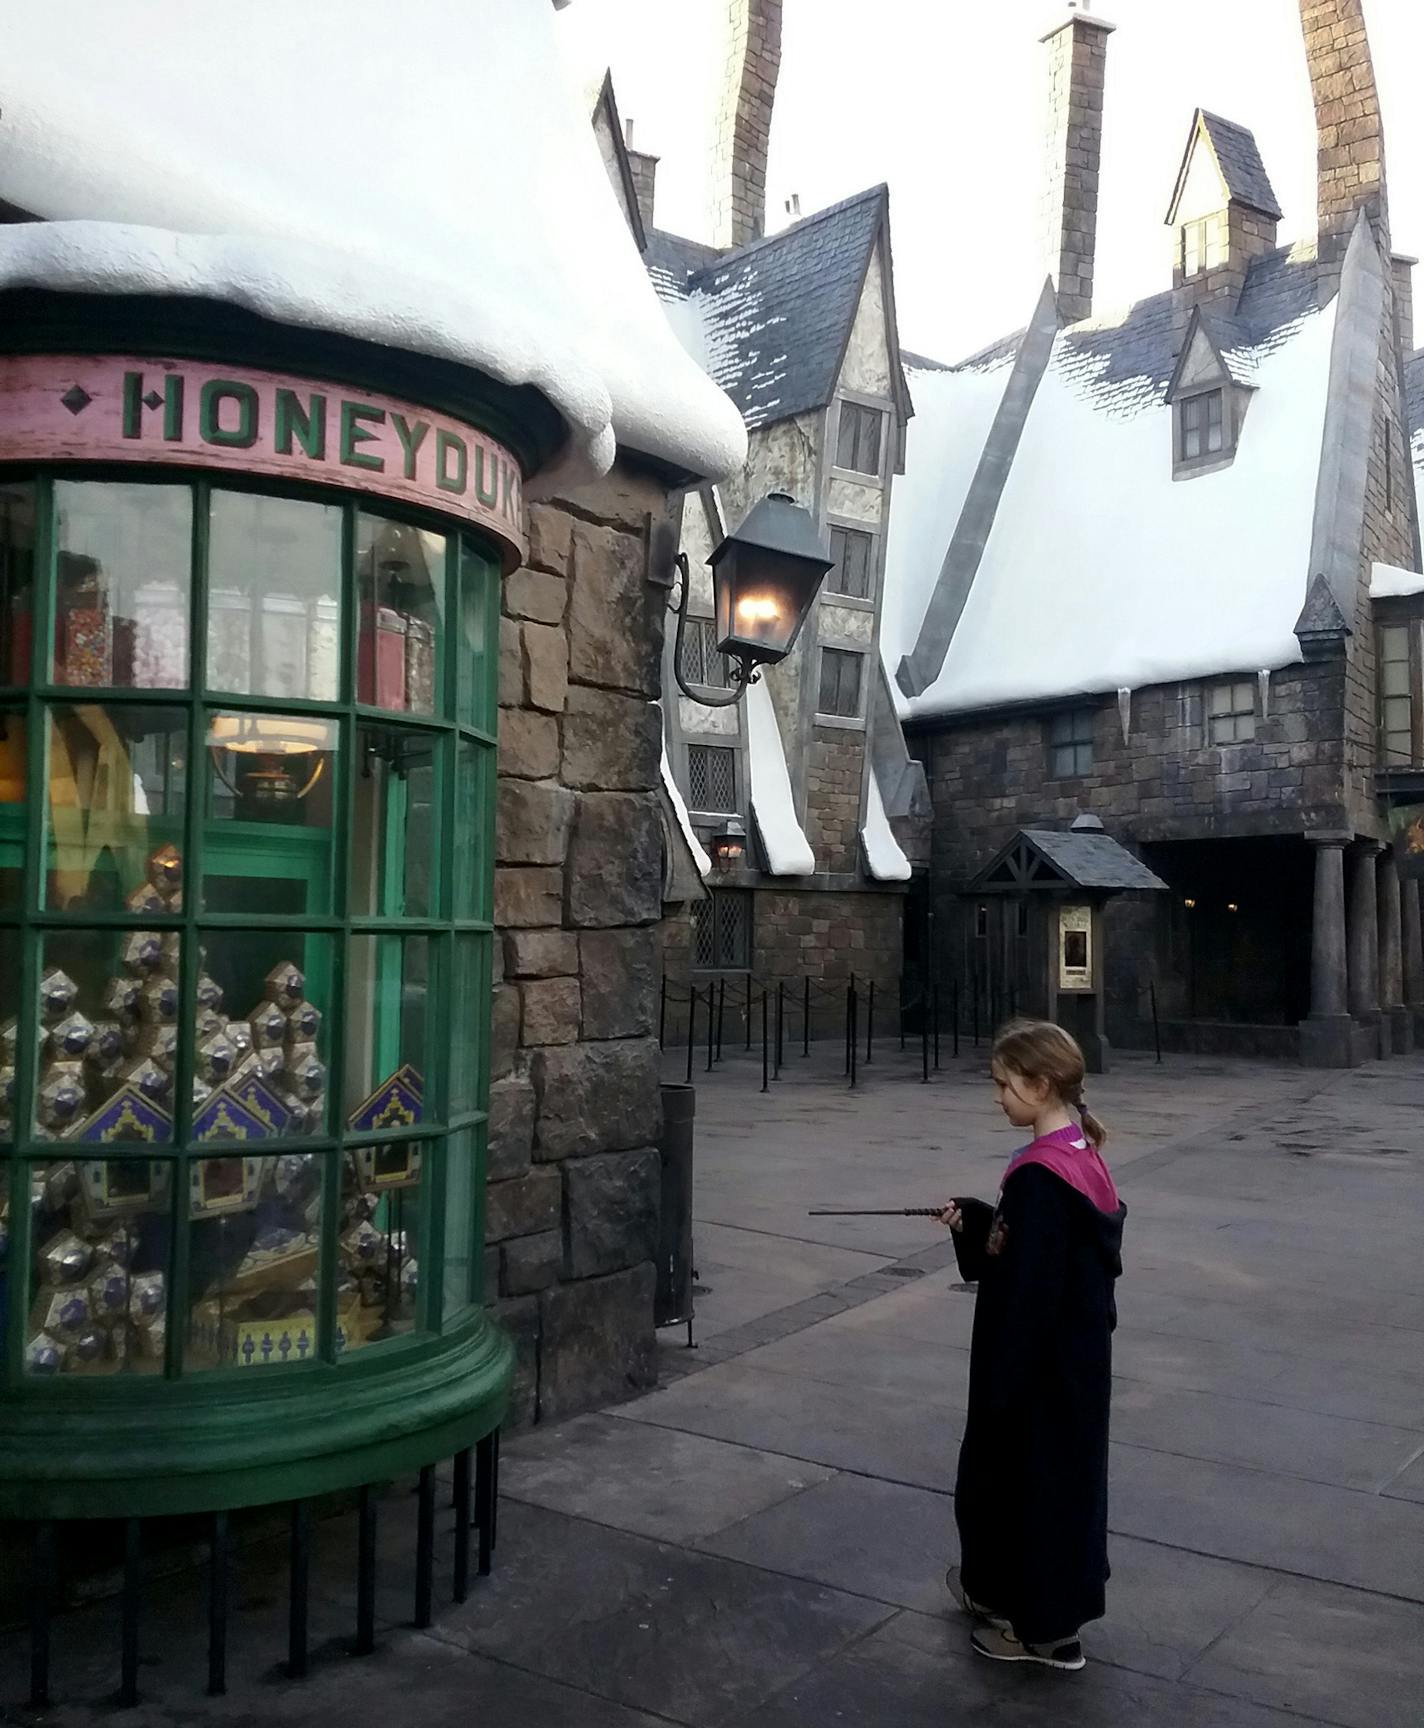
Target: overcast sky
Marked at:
943, 99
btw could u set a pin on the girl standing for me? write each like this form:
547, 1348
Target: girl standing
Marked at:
1031, 1495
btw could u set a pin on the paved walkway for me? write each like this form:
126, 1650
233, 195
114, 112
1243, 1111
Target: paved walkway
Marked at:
761, 1542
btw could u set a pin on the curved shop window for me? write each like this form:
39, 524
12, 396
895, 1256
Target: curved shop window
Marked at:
244, 969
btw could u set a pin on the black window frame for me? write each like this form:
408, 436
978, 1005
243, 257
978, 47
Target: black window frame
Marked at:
718, 759
860, 438
702, 665
727, 913
1071, 741
838, 669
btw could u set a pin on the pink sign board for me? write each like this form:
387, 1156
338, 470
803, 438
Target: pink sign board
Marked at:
115, 408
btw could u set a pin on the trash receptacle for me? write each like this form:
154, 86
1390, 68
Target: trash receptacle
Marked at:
672, 1303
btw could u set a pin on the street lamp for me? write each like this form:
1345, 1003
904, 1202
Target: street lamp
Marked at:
764, 580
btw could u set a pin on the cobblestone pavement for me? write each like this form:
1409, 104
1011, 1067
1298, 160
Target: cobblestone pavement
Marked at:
761, 1542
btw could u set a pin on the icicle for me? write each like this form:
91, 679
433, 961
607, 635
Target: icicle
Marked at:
1264, 679
1124, 710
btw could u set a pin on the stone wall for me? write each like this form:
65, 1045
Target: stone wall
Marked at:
835, 772
572, 1198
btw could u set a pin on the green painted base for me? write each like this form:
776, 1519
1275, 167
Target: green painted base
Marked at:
151, 1448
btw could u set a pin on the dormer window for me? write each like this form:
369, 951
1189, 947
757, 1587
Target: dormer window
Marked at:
1201, 245
1201, 425
1207, 400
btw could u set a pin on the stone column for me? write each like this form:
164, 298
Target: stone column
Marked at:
1413, 938
1397, 1026
1327, 1036
1363, 943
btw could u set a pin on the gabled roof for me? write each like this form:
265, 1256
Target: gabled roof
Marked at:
1228, 340
1239, 160
777, 314
606, 105
1045, 859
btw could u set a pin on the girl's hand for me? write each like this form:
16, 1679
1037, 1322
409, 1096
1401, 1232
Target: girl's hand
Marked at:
953, 1218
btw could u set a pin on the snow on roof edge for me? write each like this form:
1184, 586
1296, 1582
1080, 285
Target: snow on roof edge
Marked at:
883, 853
699, 852
1389, 582
788, 852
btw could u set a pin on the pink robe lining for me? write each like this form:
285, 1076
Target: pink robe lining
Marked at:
1068, 1153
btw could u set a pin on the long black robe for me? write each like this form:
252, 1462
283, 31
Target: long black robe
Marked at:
1031, 1498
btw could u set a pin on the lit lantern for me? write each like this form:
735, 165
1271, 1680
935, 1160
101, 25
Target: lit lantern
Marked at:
729, 844
266, 746
764, 582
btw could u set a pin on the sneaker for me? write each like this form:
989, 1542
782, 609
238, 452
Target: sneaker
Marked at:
977, 1610
999, 1644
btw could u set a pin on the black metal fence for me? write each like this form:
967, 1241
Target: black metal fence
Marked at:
782, 1012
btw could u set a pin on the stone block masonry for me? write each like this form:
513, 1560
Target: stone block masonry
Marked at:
574, 1113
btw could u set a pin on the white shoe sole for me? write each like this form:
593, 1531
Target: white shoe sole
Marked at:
1022, 1655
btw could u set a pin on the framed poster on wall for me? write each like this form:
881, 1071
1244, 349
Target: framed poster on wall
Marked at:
1075, 948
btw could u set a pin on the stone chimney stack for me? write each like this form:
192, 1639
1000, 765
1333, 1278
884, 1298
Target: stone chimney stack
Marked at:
1077, 65
645, 175
744, 122
1349, 129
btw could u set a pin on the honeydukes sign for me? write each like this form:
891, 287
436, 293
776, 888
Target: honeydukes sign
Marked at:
87, 408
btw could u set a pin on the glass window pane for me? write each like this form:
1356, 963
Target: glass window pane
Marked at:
17, 581
107, 1048
254, 1251
469, 865
14, 806
870, 441
379, 1280
274, 600
845, 436
117, 782
271, 782
395, 850
99, 1266
469, 1017
400, 573
463, 1163
388, 1016
122, 585
477, 644
261, 1045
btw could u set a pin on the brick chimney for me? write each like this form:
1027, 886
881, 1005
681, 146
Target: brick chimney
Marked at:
1349, 130
1077, 66
644, 169
744, 122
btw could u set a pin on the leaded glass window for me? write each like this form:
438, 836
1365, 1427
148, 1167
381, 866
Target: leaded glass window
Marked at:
244, 970
722, 931
1231, 712
1070, 743
712, 778
701, 663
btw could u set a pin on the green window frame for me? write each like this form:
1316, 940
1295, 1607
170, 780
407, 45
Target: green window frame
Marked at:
441, 930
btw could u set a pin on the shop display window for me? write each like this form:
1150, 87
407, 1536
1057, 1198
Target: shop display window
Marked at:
122, 585
17, 581
117, 780
274, 597
99, 1259
244, 997
400, 572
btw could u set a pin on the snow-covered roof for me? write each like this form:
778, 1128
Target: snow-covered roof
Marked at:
884, 856
1099, 570
788, 852
1389, 582
431, 182
771, 320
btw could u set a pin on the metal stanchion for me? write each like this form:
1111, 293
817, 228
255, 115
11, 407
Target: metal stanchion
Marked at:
711, 1028
691, 1028
954, 1009
870, 1025
1156, 1027
780, 1026
765, 1048
925, 1035
854, 1030
662, 1013
806, 1015
749, 1012
721, 1013
934, 996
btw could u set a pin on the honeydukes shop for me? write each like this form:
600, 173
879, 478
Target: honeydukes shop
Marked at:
267, 421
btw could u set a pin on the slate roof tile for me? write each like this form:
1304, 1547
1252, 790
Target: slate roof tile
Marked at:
1245, 173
